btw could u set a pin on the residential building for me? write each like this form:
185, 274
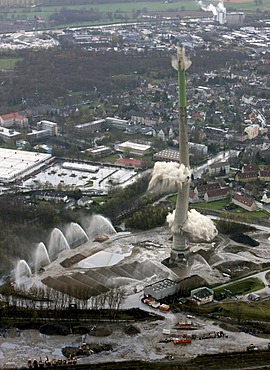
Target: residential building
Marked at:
13, 120
244, 202
217, 194
135, 148
201, 189
252, 131
193, 197
164, 131
219, 168
200, 149
246, 176
264, 175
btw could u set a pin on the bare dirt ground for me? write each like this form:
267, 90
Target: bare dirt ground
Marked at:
148, 344
17, 347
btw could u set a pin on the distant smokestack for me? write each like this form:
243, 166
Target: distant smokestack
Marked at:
180, 248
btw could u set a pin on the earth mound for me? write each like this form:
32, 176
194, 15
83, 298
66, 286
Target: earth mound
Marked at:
54, 329
131, 330
89, 349
244, 239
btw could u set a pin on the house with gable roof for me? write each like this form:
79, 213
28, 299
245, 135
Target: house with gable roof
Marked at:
264, 175
246, 176
244, 202
13, 119
164, 131
201, 189
217, 194
193, 197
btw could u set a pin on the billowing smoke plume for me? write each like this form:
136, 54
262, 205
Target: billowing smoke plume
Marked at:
199, 227
220, 8
167, 176
208, 8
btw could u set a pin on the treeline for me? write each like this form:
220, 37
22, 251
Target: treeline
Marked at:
66, 16
50, 299
148, 218
124, 200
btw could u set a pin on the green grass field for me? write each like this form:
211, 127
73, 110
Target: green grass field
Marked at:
126, 9
241, 287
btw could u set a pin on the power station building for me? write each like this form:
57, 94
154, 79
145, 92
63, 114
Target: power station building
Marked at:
162, 289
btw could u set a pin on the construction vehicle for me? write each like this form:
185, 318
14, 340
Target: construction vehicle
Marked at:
252, 347
182, 342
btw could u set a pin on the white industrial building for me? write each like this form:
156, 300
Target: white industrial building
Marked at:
134, 148
80, 167
15, 164
162, 289
50, 126
7, 134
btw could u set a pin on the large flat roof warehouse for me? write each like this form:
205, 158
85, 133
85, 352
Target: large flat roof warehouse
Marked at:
18, 163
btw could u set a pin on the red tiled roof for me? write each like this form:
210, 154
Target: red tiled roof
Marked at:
247, 175
129, 162
265, 173
242, 199
14, 115
206, 187
216, 192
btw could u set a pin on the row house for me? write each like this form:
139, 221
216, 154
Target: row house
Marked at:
244, 202
216, 194
250, 168
246, 176
201, 189
13, 120
264, 175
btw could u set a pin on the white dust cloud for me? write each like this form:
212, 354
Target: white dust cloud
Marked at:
200, 227
167, 176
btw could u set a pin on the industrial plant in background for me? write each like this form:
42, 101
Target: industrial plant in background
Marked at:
220, 14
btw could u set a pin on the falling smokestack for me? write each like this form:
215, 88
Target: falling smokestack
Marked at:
180, 248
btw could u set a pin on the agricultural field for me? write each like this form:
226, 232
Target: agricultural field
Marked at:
121, 11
